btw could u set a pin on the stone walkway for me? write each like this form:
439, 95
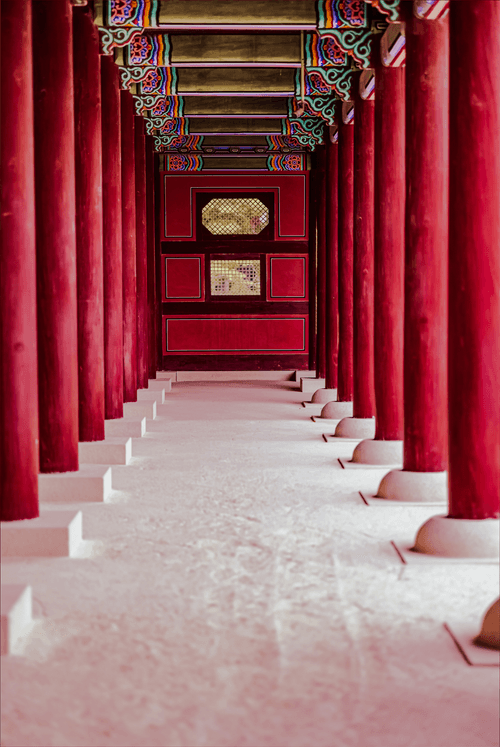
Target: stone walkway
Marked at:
237, 592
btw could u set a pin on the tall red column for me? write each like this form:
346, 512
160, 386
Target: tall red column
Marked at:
343, 406
346, 257
321, 267
55, 235
112, 239
150, 210
88, 172
471, 528
19, 458
474, 274
142, 254
426, 266
129, 250
387, 447
332, 301
362, 423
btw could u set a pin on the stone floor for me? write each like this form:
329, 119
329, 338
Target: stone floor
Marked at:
237, 592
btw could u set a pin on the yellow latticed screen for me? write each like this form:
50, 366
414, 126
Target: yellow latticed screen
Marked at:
235, 277
245, 215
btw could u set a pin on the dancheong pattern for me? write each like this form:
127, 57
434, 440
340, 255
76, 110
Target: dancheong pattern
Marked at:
288, 162
181, 162
141, 13
334, 14
149, 50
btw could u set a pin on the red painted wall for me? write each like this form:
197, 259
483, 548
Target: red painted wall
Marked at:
179, 191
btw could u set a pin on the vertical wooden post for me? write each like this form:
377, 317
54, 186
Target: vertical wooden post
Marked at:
142, 254
332, 231
321, 266
129, 250
112, 239
364, 207
425, 452
471, 528
88, 172
389, 250
346, 237
55, 235
474, 280
151, 290
19, 459
387, 448
425, 332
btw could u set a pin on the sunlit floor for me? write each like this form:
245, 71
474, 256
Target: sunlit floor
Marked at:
238, 593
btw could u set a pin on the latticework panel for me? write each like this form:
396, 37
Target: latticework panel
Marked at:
235, 277
229, 216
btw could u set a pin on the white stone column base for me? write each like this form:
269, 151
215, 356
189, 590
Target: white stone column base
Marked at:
310, 385
140, 409
371, 451
322, 396
148, 395
16, 614
114, 450
52, 534
459, 538
133, 427
414, 487
90, 484
337, 410
490, 629
355, 428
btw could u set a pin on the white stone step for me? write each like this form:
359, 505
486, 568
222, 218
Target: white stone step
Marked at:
91, 483
133, 427
52, 534
147, 395
165, 384
16, 606
140, 410
311, 385
166, 375
114, 450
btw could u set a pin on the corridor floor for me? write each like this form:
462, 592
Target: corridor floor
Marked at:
237, 592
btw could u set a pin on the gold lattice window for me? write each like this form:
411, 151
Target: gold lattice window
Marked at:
235, 277
228, 216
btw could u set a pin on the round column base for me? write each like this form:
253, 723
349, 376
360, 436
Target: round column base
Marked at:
321, 396
490, 630
336, 410
459, 538
355, 428
414, 487
371, 451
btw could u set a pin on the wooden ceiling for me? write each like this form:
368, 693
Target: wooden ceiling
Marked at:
241, 84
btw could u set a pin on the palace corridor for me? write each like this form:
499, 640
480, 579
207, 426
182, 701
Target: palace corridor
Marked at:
237, 592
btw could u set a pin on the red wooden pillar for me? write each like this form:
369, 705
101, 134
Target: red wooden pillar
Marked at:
471, 528
362, 423
151, 289
129, 250
332, 305
19, 459
343, 406
142, 254
389, 268
321, 266
55, 235
112, 239
88, 172
426, 266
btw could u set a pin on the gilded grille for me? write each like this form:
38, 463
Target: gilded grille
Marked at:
227, 216
235, 277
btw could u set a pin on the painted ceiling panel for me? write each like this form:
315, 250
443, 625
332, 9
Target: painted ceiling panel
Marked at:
235, 79
220, 48
235, 125
237, 11
234, 105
